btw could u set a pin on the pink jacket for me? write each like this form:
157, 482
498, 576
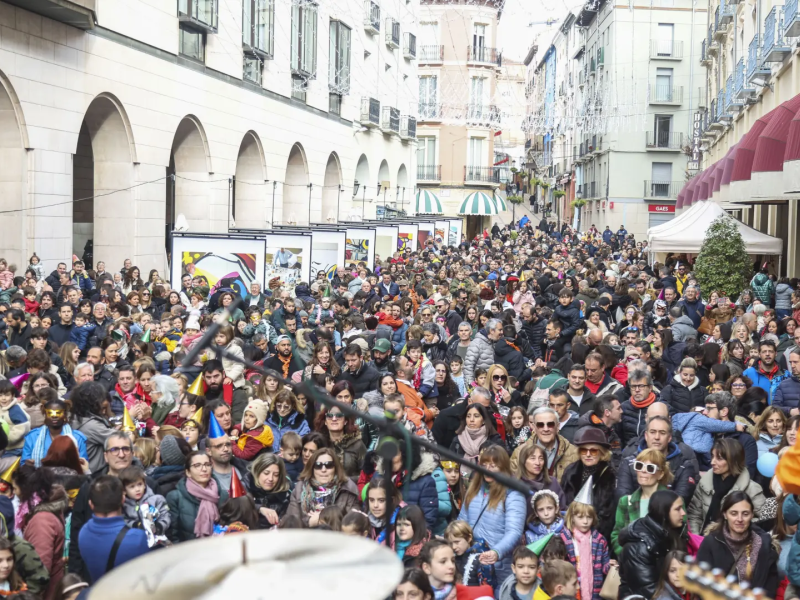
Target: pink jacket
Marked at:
6, 279
520, 299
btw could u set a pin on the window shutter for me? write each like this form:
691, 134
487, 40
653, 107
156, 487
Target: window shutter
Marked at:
295, 56
345, 58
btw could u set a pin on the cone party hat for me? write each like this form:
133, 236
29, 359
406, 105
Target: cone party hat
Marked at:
146, 337
198, 416
18, 380
9, 472
237, 489
585, 495
198, 387
127, 421
214, 428
538, 546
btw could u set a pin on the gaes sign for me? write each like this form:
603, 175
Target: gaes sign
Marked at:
661, 208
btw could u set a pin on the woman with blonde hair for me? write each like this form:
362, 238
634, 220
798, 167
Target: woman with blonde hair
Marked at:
267, 482
494, 512
146, 450
286, 413
770, 427
497, 384
268, 388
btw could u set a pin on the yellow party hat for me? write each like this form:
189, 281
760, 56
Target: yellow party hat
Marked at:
127, 421
9, 472
198, 387
198, 416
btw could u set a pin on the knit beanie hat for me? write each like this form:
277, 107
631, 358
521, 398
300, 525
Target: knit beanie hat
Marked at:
171, 454
259, 409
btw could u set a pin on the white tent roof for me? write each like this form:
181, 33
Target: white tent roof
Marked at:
687, 232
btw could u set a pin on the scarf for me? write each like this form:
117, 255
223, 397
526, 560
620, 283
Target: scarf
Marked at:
384, 527
443, 593
24, 511
39, 451
583, 561
644, 403
722, 488
313, 495
417, 379
588, 472
746, 546
471, 441
207, 513
285, 364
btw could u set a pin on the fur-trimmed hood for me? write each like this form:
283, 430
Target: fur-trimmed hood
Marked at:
426, 466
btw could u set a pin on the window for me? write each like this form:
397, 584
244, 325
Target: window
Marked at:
428, 107
476, 97
478, 38
664, 85
304, 38
202, 15
339, 61
252, 69
664, 44
258, 27
192, 43
476, 152
662, 179
426, 152
663, 129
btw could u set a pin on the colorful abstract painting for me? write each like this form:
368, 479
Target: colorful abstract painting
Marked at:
356, 249
221, 270
405, 242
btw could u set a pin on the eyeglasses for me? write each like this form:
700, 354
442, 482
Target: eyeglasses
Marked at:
119, 450
639, 386
334, 416
738, 385
547, 425
589, 451
643, 467
328, 465
202, 466
499, 377
221, 446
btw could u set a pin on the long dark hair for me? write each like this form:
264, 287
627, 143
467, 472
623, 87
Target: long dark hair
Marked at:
658, 510
417, 577
414, 515
488, 420
450, 388
730, 500
663, 581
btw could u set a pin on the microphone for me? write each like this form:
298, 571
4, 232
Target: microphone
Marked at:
208, 338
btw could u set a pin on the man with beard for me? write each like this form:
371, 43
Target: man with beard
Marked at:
452, 319
220, 450
47, 306
220, 387
283, 361
361, 375
766, 369
382, 355
532, 329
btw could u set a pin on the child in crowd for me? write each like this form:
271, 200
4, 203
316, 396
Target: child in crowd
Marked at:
81, 331
382, 511
237, 515
568, 312
587, 549
6, 274
455, 486
523, 583
291, 451
559, 578
424, 379
330, 518
411, 534
255, 435
35, 265
31, 305
517, 430
11, 583
457, 373
479, 379
13, 416
355, 523
438, 562
546, 519
144, 509
468, 549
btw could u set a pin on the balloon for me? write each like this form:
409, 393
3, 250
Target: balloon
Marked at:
766, 464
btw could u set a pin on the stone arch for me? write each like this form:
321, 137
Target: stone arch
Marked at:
296, 203
188, 193
13, 182
331, 191
249, 191
361, 187
402, 191
384, 185
103, 208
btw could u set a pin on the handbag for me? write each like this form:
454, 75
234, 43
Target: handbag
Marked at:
707, 325
610, 589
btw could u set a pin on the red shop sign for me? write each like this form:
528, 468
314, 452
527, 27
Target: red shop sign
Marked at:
661, 208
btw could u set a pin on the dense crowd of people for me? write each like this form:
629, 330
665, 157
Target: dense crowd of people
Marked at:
646, 419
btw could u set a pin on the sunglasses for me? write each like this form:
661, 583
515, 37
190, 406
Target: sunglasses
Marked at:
642, 467
547, 425
334, 416
499, 377
328, 465
589, 451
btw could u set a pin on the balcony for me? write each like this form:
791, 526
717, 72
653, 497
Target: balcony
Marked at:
77, 13
775, 48
429, 173
720, 28
712, 47
482, 54
372, 18
483, 114
601, 58
791, 19
723, 116
408, 127
726, 13
662, 189
664, 140
200, 15
742, 89
392, 33
430, 111
668, 50
732, 102
705, 58
481, 175
757, 73
390, 120
410, 46
430, 54
370, 112
665, 93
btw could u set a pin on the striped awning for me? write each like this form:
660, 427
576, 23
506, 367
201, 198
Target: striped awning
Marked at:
428, 203
478, 203
500, 202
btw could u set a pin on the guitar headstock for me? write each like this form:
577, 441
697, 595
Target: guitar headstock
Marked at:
712, 584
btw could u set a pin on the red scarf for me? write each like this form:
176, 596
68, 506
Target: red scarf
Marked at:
644, 403
417, 379
771, 373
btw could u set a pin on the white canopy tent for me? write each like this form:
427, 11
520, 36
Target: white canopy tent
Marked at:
687, 232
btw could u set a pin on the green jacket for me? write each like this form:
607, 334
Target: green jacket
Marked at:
468, 284
183, 508
30, 567
627, 513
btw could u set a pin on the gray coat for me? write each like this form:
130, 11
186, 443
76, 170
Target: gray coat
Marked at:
480, 355
161, 518
683, 328
783, 296
96, 429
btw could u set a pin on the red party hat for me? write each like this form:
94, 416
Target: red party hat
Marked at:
237, 489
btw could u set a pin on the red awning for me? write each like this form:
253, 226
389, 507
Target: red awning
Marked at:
707, 175
728, 162
793, 140
688, 191
718, 172
743, 166
771, 146
679, 203
698, 188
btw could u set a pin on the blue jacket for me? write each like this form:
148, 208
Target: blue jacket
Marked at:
97, 537
697, 430
607, 235
787, 394
758, 378
399, 338
422, 490
791, 515
501, 527
280, 427
80, 335
570, 317
394, 290
33, 437
84, 282
694, 310
445, 503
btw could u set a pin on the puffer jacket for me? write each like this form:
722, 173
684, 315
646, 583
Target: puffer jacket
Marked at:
445, 501
634, 420
783, 296
762, 287
683, 329
681, 399
697, 430
533, 333
701, 501
422, 490
604, 484
570, 317
480, 355
512, 359
96, 430
281, 426
791, 516
645, 544
682, 462
787, 394
183, 509
501, 526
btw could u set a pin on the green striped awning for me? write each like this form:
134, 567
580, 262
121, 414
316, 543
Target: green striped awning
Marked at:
428, 203
478, 203
501, 203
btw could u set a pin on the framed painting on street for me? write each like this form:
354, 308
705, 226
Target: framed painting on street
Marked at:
407, 236
426, 229
360, 246
327, 252
386, 241
456, 230
288, 258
